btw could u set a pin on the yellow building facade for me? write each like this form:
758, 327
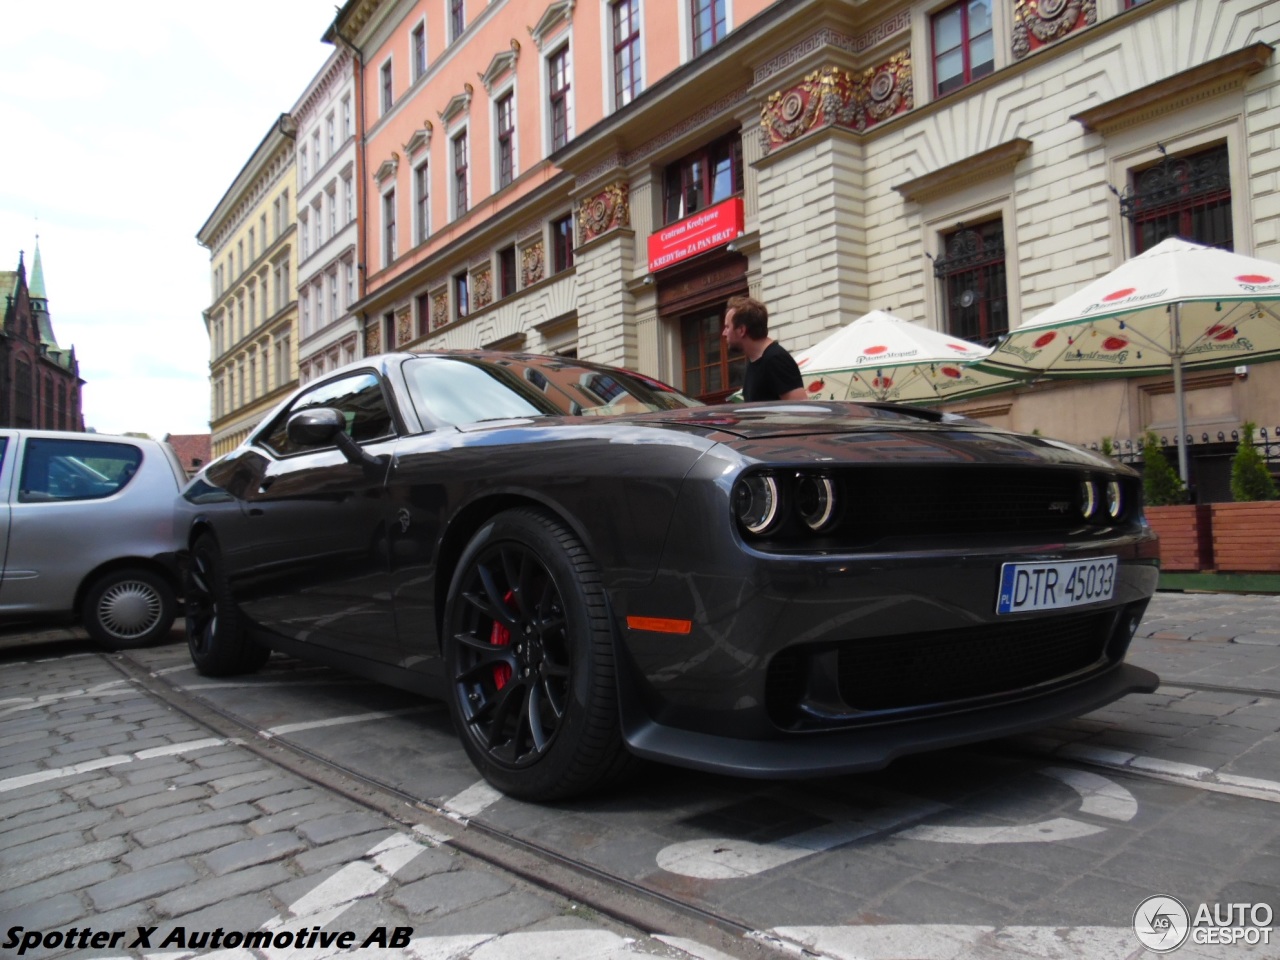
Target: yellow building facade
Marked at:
252, 319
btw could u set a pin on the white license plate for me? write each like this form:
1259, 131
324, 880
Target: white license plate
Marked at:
1051, 586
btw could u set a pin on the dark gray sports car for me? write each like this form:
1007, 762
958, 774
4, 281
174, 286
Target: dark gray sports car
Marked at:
588, 566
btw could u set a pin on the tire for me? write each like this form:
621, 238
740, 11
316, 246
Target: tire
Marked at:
528, 653
216, 636
132, 607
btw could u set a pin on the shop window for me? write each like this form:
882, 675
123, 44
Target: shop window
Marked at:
1187, 196
972, 271
710, 374
963, 45
703, 178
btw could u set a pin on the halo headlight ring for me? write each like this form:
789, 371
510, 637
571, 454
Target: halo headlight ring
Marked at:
815, 500
757, 503
1088, 498
1115, 500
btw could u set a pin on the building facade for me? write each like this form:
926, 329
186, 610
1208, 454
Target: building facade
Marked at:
597, 179
253, 318
329, 335
40, 385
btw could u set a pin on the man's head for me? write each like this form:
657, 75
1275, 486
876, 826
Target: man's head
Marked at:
745, 318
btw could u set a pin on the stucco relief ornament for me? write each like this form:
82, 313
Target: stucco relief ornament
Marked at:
605, 211
372, 340
839, 98
531, 264
439, 309
404, 326
1047, 21
787, 115
482, 282
889, 88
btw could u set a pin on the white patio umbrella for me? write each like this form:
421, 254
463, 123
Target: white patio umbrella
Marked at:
883, 357
1178, 305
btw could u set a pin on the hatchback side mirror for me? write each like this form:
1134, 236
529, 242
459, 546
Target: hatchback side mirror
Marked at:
321, 426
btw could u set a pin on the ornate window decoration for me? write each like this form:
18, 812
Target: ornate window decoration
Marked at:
501, 64
972, 271
420, 141
608, 210
1038, 23
1187, 196
387, 169
555, 16
458, 106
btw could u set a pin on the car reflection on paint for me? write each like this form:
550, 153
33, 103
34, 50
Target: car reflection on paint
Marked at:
589, 567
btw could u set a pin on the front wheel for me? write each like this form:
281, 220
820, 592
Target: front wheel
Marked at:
216, 636
132, 607
529, 654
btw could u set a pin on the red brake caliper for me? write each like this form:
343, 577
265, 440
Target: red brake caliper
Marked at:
500, 636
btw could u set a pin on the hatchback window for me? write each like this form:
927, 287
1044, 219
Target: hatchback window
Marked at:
75, 469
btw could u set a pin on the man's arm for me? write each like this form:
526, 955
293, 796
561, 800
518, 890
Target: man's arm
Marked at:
797, 394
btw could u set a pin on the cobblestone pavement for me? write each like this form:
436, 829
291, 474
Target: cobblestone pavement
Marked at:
120, 815
127, 830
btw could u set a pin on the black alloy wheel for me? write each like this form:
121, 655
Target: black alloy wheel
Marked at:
216, 635
529, 652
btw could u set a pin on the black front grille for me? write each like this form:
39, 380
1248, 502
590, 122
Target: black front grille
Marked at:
919, 670
973, 500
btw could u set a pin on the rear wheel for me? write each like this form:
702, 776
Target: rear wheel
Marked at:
216, 636
529, 653
131, 607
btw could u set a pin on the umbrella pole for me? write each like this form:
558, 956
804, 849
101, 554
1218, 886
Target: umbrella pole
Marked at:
1178, 394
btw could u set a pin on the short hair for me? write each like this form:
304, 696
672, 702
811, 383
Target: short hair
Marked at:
750, 313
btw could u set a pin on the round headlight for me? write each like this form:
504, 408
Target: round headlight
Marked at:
815, 500
1088, 499
755, 501
1115, 500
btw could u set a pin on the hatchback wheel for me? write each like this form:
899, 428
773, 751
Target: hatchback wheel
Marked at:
216, 636
131, 607
529, 653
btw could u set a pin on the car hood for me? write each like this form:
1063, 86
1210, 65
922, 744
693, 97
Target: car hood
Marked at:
868, 432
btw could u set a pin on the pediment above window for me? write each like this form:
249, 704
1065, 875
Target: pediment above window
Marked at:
1220, 75
501, 64
387, 169
420, 141
556, 15
990, 163
458, 106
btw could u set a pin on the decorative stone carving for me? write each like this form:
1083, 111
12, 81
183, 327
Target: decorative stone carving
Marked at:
404, 326
1040, 22
533, 263
832, 97
372, 339
439, 308
482, 288
607, 210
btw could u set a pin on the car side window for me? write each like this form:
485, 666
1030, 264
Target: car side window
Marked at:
57, 470
359, 398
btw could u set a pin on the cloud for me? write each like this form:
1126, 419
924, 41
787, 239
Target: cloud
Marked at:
132, 128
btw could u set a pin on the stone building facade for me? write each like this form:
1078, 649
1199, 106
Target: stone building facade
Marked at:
252, 320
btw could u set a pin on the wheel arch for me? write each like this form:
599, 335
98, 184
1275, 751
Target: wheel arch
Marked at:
167, 570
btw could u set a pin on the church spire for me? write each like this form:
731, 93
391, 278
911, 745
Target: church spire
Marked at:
35, 285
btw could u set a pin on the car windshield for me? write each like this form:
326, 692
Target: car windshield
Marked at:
462, 389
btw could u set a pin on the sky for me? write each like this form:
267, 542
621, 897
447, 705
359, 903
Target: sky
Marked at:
123, 125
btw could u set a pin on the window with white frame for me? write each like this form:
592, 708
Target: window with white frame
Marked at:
346, 117
266, 370
709, 22
253, 245
304, 308
331, 198
624, 17
384, 87
315, 149
348, 199
389, 251
421, 202
302, 165
330, 134
558, 86
331, 279
317, 299
461, 185
457, 19
349, 282
505, 148
418, 50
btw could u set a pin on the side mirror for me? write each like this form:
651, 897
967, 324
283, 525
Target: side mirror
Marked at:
320, 426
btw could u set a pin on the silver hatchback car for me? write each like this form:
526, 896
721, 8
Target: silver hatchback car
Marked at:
86, 531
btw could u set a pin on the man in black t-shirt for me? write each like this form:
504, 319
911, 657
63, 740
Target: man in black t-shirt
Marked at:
771, 374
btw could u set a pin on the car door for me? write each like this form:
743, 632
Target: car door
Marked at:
6, 479
311, 563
